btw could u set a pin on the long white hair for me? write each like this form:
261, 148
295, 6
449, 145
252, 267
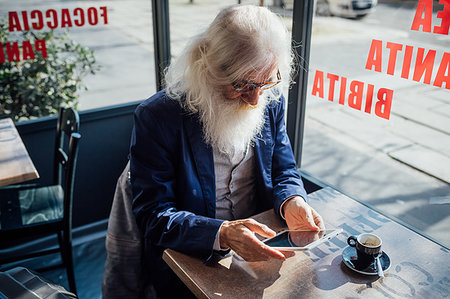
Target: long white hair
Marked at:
240, 40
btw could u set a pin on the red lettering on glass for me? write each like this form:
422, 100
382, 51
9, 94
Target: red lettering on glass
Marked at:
12, 51
369, 96
424, 15
104, 14
65, 18
374, 57
407, 61
13, 21
41, 47
443, 74
425, 9
92, 16
383, 105
40, 19
26, 27
53, 18
318, 84
79, 12
444, 15
333, 78
50, 24
394, 48
356, 94
424, 65
27, 49
342, 91
2, 54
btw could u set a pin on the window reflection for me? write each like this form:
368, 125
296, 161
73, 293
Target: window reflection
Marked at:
395, 160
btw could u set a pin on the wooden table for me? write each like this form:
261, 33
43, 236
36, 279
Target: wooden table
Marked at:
420, 268
15, 163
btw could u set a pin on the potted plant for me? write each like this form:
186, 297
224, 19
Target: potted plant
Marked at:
36, 87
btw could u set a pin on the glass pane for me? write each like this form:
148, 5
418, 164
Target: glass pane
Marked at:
378, 113
202, 12
82, 54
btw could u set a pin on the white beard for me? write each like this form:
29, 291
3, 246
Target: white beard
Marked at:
231, 125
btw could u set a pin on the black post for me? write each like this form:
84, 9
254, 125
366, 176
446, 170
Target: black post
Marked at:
301, 41
161, 39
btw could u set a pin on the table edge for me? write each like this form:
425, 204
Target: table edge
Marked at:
190, 283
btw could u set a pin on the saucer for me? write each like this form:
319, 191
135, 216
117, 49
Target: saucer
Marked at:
351, 260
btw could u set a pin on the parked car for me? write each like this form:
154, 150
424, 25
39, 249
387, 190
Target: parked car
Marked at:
345, 8
341, 8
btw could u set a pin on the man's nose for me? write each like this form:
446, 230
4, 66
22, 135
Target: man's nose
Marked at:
252, 97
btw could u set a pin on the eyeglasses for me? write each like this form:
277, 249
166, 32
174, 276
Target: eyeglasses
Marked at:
248, 86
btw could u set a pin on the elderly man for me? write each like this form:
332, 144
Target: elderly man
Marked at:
211, 149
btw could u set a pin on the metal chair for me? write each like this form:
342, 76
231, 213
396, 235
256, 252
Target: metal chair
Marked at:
30, 212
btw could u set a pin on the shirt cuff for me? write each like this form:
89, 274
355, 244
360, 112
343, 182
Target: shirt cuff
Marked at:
216, 245
282, 204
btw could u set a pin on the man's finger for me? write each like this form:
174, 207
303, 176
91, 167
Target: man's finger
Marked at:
319, 221
273, 253
259, 228
265, 250
310, 219
288, 253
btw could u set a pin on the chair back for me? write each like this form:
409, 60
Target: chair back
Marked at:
36, 211
66, 152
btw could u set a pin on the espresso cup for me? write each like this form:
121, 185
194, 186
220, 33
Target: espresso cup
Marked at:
368, 246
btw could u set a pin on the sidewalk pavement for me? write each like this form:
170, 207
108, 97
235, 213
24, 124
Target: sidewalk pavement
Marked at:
400, 166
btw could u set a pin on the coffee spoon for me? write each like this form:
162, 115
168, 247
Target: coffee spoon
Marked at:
379, 267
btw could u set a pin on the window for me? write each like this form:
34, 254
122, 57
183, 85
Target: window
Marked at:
105, 46
377, 122
200, 14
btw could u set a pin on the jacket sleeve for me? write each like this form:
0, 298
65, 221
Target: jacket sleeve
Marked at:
286, 179
153, 176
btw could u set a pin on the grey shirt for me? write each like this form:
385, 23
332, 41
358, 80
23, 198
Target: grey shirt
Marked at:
235, 184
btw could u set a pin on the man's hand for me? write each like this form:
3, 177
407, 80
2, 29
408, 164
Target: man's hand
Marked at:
299, 215
239, 236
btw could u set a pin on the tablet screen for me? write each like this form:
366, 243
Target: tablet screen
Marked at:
297, 238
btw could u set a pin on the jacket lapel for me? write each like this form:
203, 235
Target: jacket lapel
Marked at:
204, 162
263, 149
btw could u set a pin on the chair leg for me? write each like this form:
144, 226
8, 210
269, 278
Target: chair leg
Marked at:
70, 271
66, 254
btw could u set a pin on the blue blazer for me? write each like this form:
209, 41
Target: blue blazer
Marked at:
172, 175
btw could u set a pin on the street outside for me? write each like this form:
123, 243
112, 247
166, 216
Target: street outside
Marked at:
400, 166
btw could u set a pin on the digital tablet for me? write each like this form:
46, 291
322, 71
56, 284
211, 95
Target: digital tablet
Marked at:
301, 239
